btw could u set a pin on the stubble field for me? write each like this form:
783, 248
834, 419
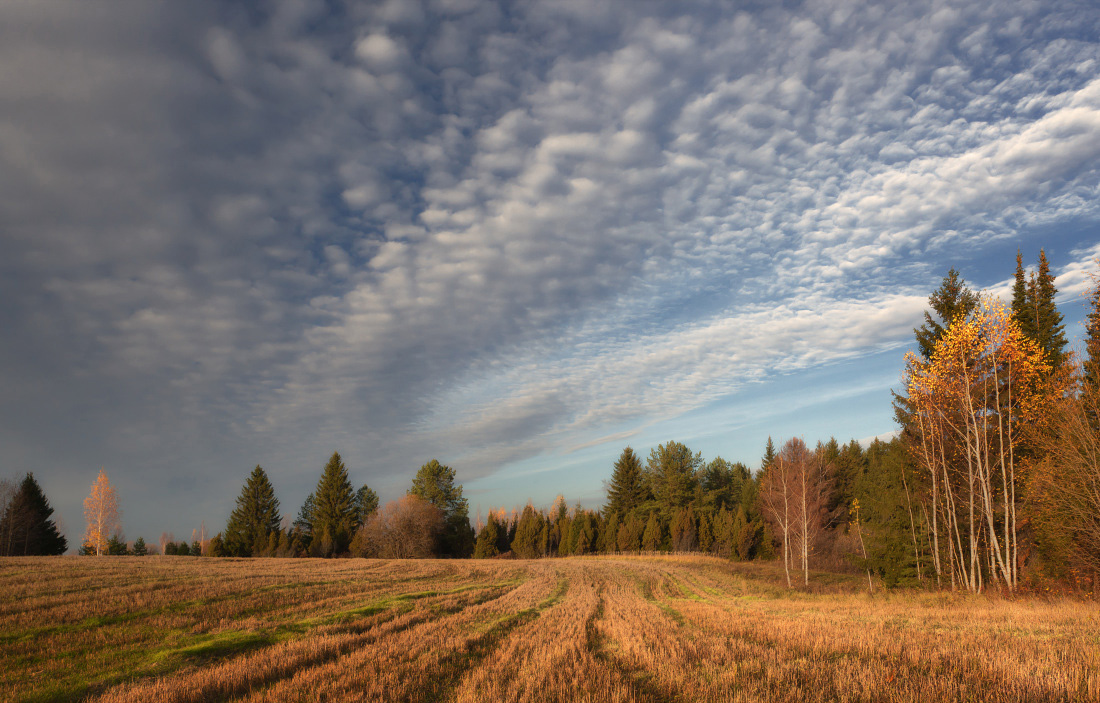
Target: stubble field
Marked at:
581, 629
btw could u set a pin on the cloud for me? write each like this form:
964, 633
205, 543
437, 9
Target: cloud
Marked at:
483, 232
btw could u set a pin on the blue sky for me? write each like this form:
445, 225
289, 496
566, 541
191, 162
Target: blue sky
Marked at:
512, 236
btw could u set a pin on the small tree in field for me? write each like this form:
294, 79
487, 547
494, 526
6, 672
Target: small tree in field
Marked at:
101, 514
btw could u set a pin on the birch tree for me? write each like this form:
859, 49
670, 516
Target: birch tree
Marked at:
970, 403
101, 513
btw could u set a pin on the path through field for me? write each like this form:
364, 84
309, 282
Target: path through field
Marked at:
582, 629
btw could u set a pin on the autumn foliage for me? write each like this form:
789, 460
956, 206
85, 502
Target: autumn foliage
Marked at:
101, 514
970, 405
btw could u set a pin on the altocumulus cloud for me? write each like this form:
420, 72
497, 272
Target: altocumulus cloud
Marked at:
491, 231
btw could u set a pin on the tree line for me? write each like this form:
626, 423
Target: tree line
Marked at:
992, 478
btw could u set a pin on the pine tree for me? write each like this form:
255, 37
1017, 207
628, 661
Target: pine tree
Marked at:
140, 549
627, 489
434, 482
952, 300
26, 526
333, 515
255, 518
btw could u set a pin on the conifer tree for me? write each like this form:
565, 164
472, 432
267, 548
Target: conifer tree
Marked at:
525, 545
629, 538
366, 503
651, 538
626, 490
486, 546
769, 455
26, 526
1020, 300
255, 518
333, 514
672, 474
1092, 338
1035, 312
140, 549
953, 299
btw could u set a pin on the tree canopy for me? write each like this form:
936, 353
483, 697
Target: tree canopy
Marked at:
255, 518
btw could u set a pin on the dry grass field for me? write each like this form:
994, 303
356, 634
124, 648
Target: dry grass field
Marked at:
582, 629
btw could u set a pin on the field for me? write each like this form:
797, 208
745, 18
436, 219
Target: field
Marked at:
581, 629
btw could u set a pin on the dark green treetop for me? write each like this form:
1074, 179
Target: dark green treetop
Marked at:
26, 527
1092, 338
672, 475
435, 483
255, 517
1034, 310
626, 490
366, 504
952, 300
333, 514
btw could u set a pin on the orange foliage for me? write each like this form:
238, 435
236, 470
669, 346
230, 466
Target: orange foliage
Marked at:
101, 513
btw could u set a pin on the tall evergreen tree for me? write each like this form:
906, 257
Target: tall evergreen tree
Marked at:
769, 455
627, 489
487, 538
953, 299
255, 518
26, 526
435, 483
672, 476
1034, 310
333, 518
1021, 299
366, 504
1050, 331
1092, 338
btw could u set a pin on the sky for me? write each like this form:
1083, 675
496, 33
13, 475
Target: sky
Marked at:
516, 237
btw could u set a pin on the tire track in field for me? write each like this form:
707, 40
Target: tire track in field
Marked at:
456, 664
640, 680
213, 685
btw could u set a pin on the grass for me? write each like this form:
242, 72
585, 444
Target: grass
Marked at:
581, 629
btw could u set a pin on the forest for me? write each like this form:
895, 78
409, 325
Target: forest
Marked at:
992, 481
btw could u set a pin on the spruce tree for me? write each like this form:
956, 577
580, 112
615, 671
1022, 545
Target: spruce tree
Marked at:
487, 539
1092, 338
1021, 300
651, 538
333, 518
435, 483
627, 489
769, 455
952, 300
1050, 331
1035, 312
255, 518
525, 545
26, 526
672, 474
140, 549
366, 504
